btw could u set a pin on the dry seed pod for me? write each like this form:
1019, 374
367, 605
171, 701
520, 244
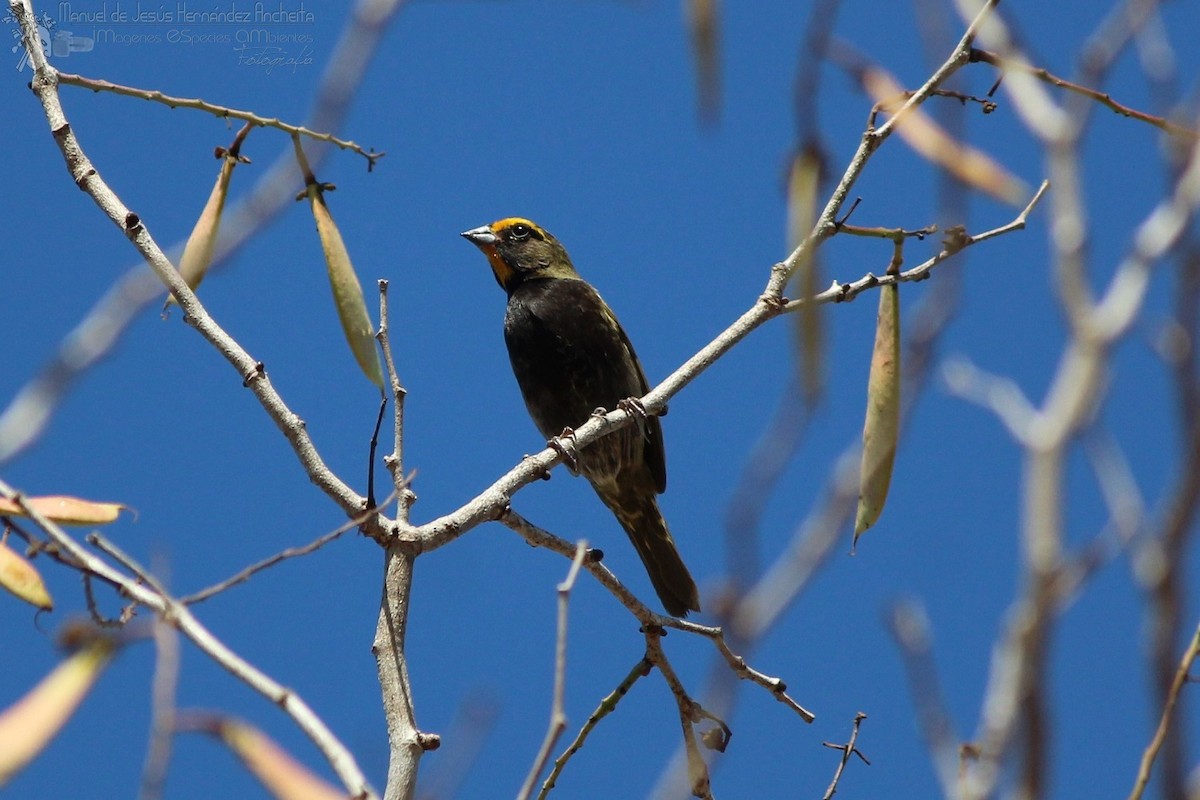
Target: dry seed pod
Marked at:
347, 291
198, 252
283, 776
29, 725
21, 578
882, 427
64, 509
704, 25
804, 182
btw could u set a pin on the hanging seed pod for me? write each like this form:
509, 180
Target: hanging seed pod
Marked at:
882, 427
29, 725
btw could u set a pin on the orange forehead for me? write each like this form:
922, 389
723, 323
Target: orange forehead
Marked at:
501, 225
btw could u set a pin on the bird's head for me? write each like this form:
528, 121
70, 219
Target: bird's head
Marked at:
519, 250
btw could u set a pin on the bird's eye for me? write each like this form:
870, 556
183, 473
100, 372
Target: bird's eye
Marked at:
520, 232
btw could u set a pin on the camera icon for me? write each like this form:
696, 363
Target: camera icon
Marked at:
60, 44
64, 43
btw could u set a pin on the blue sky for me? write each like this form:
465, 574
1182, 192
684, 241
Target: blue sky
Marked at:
581, 116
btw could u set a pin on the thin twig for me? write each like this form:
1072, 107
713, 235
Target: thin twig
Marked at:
1103, 98
698, 777
291, 552
848, 750
394, 461
558, 714
739, 667
607, 705
155, 96
1164, 722
541, 538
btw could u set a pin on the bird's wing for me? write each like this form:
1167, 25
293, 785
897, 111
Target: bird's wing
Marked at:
654, 449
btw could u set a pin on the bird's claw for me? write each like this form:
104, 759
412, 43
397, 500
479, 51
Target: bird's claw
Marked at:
564, 445
633, 406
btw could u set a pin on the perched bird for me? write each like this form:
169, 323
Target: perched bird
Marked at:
571, 356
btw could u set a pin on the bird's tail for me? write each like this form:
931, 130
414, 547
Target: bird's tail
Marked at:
636, 508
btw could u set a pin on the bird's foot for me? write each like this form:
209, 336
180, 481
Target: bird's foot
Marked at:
633, 406
564, 445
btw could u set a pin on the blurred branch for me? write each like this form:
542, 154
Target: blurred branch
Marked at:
163, 710
474, 721
762, 469
1001, 396
909, 626
1161, 561
1015, 701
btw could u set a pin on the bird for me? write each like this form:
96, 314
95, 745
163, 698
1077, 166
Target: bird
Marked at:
571, 356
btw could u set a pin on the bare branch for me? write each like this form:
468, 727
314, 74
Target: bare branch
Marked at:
407, 742
292, 552
153, 95
909, 627
394, 461
848, 750
558, 714
140, 589
606, 707
1164, 723
1103, 98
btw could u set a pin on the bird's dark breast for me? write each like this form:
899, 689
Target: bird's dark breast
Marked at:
570, 357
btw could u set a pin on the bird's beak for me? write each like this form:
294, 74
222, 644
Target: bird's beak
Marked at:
481, 236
